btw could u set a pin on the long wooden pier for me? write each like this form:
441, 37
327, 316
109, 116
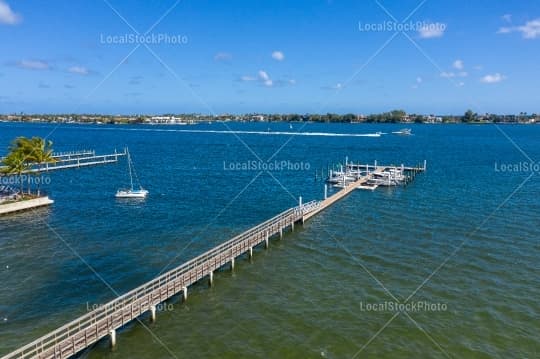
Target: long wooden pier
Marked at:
102, 322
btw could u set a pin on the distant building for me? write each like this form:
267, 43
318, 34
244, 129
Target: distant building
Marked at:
168, 120
359, 119
259, 118
432, 119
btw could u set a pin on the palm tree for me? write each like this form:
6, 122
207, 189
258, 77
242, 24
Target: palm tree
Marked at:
16, 164
25, 152
39, 152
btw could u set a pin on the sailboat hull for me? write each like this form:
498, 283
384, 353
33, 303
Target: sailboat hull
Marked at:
132, 194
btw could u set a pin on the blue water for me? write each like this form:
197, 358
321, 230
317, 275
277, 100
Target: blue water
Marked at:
306, 295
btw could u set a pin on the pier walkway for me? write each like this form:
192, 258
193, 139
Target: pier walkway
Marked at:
337, 196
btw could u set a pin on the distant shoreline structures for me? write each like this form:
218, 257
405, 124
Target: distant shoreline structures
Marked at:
396, 116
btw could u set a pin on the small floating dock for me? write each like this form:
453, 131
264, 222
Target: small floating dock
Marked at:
23, 205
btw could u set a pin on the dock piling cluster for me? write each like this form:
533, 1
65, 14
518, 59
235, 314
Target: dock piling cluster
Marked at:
367, 176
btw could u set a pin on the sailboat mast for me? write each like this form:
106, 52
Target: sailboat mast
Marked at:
129, 166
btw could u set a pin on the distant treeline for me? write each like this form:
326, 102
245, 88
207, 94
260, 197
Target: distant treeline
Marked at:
395, 116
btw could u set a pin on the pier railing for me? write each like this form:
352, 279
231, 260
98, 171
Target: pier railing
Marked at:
91, 327
74, 153
76, 162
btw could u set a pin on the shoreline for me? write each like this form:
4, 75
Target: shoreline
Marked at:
267, 122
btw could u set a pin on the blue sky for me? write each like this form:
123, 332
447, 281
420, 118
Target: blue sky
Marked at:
269, 56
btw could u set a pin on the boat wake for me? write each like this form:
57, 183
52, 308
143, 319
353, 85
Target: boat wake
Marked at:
267, 133
286, 133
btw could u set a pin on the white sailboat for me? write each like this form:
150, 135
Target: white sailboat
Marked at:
132, 192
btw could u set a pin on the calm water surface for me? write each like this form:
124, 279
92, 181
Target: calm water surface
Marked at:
313, 294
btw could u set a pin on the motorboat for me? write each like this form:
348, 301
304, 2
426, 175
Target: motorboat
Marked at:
403, 132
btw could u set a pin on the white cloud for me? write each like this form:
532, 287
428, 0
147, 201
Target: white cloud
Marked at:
278, 55
79, 70
7, 16
33, 65
507, 17
492, 79
223, 56
432, 30
531, 29
450, 74
248, 78
263, 75
419, 80
458, 64
337, 86
265, 79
